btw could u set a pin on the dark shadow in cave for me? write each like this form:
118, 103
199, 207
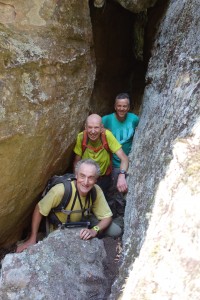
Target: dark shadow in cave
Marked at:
117, 69
122, 46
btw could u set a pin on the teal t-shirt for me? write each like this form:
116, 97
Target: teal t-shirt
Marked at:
122, 130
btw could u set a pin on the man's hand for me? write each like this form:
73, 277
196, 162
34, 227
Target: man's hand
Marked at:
87, 234
122, 184
36, 219
25, 245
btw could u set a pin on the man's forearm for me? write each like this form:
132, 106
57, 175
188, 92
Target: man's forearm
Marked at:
36, 219
123, 158
103, 224
124, 164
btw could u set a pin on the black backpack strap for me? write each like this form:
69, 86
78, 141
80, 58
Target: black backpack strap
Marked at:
64, 202
66, 197
93, 194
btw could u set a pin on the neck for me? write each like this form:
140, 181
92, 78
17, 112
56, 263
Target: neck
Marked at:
120, 119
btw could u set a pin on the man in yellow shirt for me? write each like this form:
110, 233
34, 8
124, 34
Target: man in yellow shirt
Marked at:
87, 172
96, 151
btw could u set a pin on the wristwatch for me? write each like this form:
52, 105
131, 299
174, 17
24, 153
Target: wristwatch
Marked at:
96, 228
122, 171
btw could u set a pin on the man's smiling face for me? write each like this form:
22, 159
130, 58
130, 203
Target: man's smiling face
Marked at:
122, 107
86, 178
93, 127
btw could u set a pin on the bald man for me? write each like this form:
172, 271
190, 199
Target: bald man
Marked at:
95, 148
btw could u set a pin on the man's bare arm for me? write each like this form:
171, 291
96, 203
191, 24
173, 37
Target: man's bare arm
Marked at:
36, 219
121, 182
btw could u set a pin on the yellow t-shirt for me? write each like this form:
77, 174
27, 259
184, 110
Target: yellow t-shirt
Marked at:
102, 157
53, 198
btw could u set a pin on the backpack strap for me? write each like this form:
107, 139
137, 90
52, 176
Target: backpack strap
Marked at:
106, 146
64, 202
93, 194
84, 141
66, 197
104, 140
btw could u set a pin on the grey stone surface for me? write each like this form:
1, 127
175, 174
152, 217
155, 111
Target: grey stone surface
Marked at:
162, 222
62, 266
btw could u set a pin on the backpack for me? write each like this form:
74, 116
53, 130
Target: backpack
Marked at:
66, 179
104, 145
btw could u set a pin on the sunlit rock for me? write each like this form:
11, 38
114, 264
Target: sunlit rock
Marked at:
46, 79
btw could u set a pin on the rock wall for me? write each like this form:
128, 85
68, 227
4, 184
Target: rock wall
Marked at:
64, 270
47, 72
162, 222
133, 5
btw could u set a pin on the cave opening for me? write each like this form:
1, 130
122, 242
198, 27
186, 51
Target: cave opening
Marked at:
122, 42
118, 47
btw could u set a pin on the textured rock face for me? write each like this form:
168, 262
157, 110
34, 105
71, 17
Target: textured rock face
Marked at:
164, 173
61, 267
46, 78
136, 5
132, 5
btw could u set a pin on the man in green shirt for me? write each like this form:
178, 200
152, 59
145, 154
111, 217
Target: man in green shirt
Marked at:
87, 172
97, 151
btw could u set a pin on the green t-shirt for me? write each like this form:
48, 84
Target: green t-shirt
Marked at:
102, 157
53, 198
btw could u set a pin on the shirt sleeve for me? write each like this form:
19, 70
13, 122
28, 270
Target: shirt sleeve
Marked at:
78, 146
113, 143
51, 199
106, 122
100, 207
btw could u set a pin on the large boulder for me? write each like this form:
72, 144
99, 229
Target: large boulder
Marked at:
46, 76
62, 267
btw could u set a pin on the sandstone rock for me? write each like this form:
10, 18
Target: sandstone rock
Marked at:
60, 267
46, 77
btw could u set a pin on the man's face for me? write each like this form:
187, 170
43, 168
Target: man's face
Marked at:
93, 128
121, 108
86, 178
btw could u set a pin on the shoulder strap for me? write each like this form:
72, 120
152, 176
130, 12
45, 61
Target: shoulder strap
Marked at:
106, 146
84, 141
66, 197
104, 140
93, 194
65, 200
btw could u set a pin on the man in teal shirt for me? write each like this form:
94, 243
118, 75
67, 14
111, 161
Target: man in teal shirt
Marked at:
122, 124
